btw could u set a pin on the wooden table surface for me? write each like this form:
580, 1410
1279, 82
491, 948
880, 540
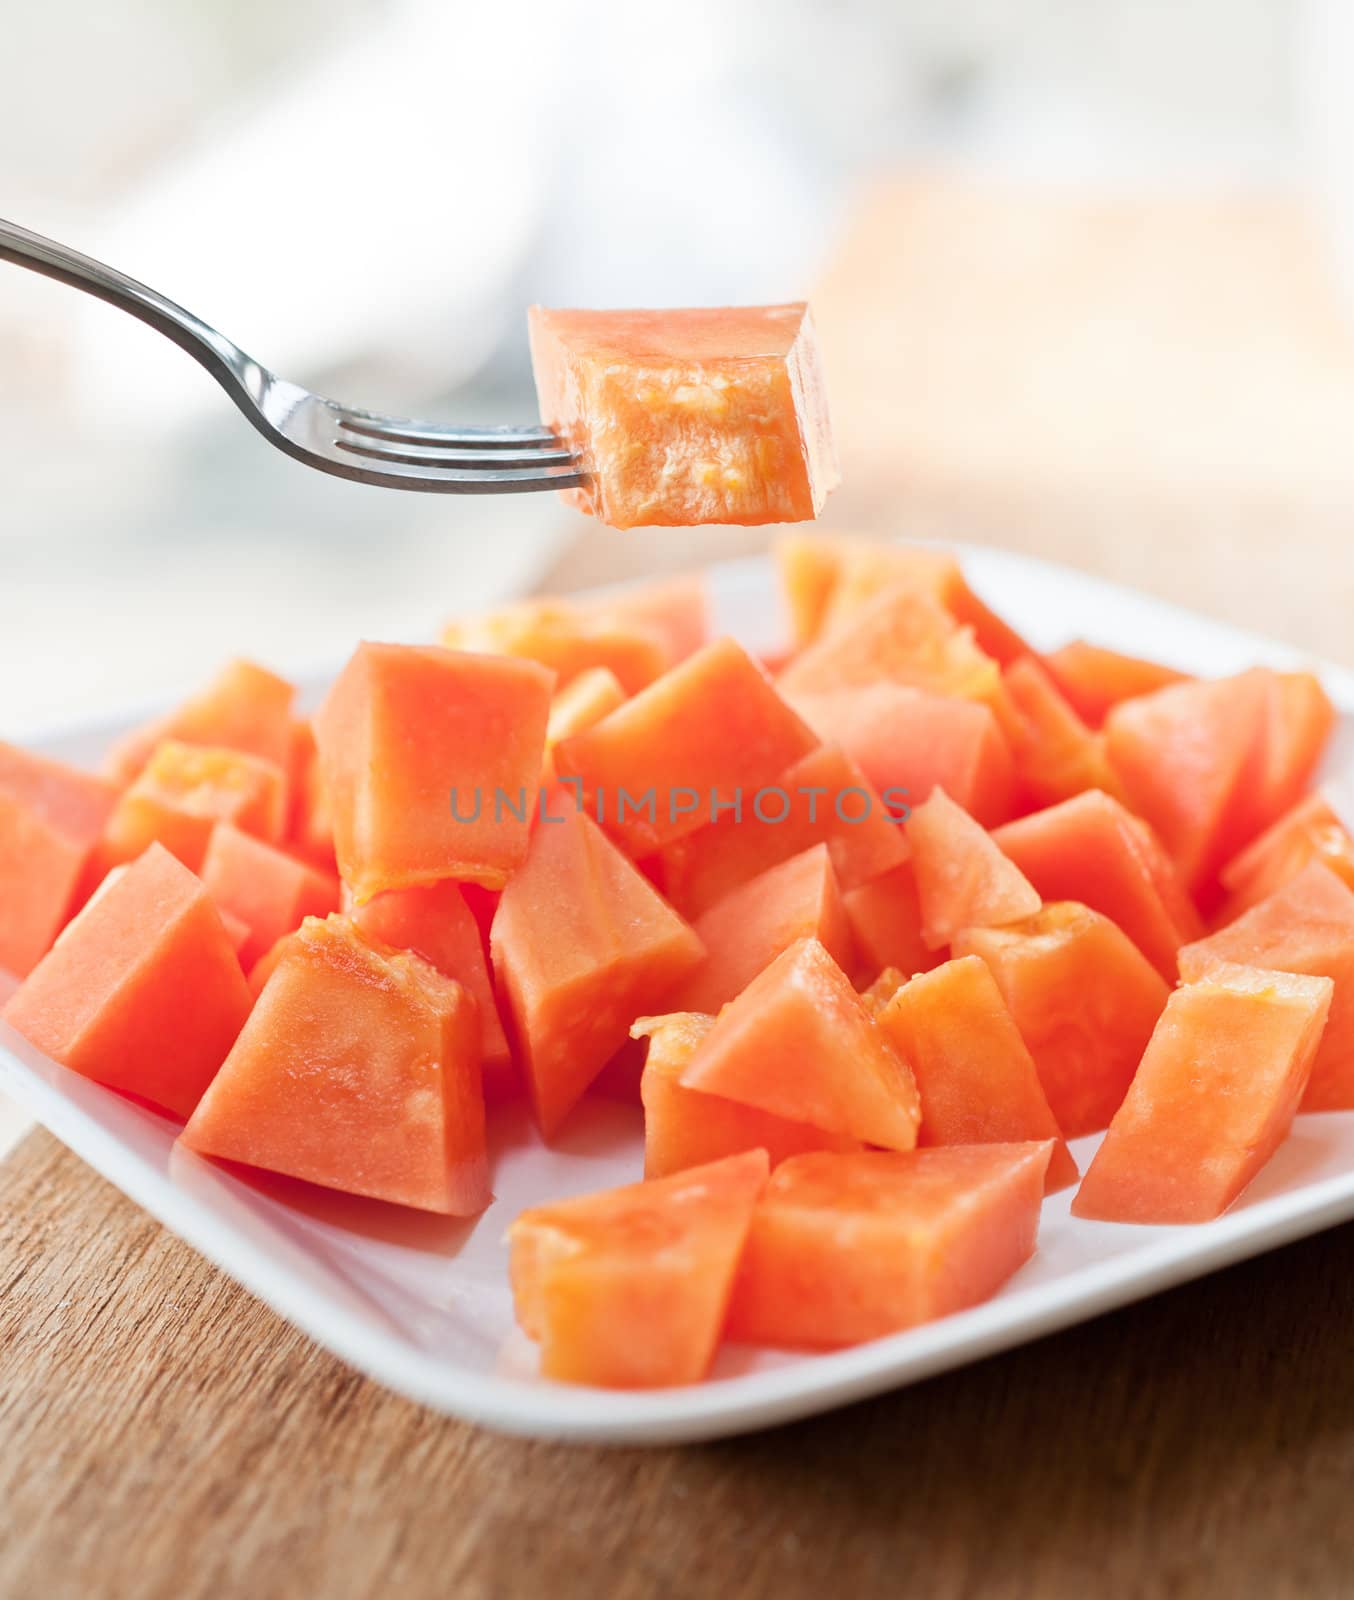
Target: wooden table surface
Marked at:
162, 1434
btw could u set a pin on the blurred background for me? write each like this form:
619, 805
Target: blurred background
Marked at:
1082, 272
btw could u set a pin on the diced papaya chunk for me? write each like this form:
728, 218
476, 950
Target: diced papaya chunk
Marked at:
359, 1069
907, 742
975, 1076
689, 416
712, 729
629, 1288
885, 920
685, 1128
748, 928
798, 1042
1213, 1099
1092, 849
269, 891
245, 707
1056, 754
1306, 927
1095, 679
1311, 830
827, 800
1298, 722
456, 798
1188, 760
901, 636
567, 639
435, 922
963, 879
808, 566
142, 991
582, 943
582, 703
845, 1248
677, 608
183, 791
310, 824
828, 577
51, 819
1085, 1000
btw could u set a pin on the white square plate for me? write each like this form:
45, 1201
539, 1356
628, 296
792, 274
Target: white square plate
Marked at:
421, 1303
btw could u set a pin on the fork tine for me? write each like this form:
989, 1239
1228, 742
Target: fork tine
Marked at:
379, 468
399, 430
413, 455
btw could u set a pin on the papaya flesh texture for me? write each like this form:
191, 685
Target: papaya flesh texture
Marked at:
359, 1069
845, 1248
685, 1128
51, 819
142, 991
269, 891
688, 416
1085, 1000
748, 929
799, 1042
963, 879
1214, 1097
1306, 927
712, 728
629, 1288
976, 1078
435, 922
885, 919
1094, 679
457, 800
1093, 850
582, 943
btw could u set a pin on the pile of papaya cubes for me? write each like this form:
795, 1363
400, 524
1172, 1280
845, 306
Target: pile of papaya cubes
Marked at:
871, 932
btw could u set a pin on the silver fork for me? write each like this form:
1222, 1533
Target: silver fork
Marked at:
363, 445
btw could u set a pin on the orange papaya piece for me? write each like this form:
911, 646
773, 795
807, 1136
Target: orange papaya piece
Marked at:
1056, 754
886, 1241
435, 922
142, 991
359, 1069
457, 800
826, 578
685, 1128
629, 1288
688, 416
677, 609
963, 879
1188, 760
713, 728
1094, 679
976, 1078
885, 920
827, 799
51, 820
567, 639
1092, 849
1085, 1000
269, 891
583, 702
1213, 1099
1298, 722
1311, 830
907, 742
1306, 927
582, 943
244, 707
798, 1042
182, 793
310, 826
748, 929
902, 636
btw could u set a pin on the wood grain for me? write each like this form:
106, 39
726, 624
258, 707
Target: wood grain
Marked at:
162, 1434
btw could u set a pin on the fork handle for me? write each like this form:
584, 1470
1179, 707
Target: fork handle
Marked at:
226, 362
